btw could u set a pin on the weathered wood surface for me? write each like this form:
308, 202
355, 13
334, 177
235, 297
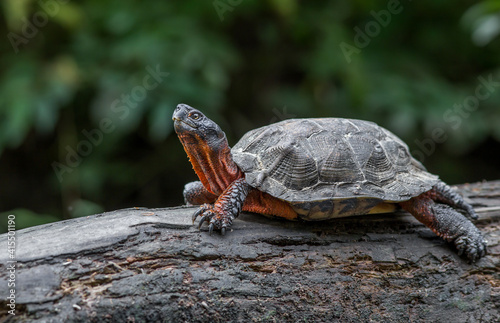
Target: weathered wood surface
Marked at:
139, 265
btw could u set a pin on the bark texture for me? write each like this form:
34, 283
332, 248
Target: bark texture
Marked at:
139, 265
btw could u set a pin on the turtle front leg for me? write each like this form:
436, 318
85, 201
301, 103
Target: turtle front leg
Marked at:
448, 224
196, 194
227, 207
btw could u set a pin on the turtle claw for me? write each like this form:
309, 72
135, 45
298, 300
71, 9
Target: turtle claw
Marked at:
216, 221
203, 219
474, 247
204, 211
197, 213
221, 214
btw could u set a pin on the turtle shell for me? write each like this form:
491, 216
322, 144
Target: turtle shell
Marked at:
314, 160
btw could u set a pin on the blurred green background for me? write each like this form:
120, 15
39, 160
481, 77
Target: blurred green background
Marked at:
80, 133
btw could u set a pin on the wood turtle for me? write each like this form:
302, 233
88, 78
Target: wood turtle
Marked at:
317, 169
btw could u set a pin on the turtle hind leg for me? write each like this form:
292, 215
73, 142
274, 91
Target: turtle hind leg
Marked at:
445, 194
196, 194
448, 224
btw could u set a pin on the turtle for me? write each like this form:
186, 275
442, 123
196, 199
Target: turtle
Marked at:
317, 169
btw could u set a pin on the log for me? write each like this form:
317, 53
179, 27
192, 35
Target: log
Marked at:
139, 264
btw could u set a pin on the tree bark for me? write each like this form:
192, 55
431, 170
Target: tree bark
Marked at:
137, 265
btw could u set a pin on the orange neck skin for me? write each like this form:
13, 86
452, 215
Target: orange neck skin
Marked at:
217, 170
214, 166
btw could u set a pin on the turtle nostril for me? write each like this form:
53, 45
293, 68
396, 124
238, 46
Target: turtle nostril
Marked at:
178, 112
182, 106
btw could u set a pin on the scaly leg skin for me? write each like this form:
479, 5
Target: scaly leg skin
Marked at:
445, 194
448, 224
196, 194
227, 207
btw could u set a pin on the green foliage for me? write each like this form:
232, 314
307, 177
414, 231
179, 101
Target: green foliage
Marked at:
24, 218
239, 65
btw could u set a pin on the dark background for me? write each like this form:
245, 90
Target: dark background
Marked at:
64, 65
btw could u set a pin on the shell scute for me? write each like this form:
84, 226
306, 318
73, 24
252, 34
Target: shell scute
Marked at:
311, 160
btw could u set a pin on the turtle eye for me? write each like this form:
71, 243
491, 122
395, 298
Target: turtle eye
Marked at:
195, 115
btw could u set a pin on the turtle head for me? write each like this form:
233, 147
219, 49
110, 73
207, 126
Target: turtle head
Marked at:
190, 123
207, 148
